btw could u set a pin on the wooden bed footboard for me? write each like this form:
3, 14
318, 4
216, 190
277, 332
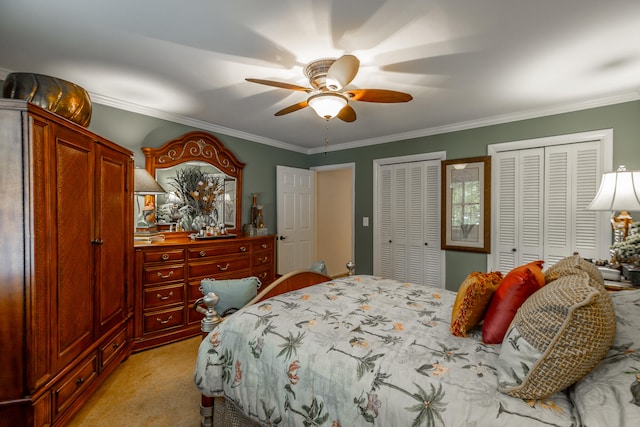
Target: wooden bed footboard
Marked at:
206, 305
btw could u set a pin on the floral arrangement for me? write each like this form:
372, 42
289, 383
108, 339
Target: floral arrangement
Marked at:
199, 191
628, 250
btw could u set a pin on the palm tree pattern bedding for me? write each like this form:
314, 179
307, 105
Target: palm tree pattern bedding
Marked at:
363, 351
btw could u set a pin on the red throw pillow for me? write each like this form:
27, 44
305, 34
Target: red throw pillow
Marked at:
518, 285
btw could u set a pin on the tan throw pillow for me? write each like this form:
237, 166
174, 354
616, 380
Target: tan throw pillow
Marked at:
570, 264
472, 301
559, 334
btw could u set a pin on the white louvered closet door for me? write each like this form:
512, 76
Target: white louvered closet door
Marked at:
572, 177
518, 207
540, 199
384, 222
408, 215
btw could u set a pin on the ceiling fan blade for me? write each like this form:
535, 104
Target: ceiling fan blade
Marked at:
378, 95
292, 108
347, 114
342, 71
280, 85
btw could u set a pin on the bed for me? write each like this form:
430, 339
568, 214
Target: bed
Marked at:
363, 350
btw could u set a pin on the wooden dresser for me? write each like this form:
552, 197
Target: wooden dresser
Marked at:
168, 276
66, 300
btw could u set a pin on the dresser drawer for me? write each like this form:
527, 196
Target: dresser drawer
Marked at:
262, 258
163, 256
220, 266
161, 296
205, 252
266, 244
265, 274
111, 348
74, 383
163, 320
170, 273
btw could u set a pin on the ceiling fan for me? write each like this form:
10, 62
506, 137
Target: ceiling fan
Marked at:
328, 78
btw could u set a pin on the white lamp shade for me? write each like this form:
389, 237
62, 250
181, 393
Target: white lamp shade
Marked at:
327, 105
145, 184
619, 191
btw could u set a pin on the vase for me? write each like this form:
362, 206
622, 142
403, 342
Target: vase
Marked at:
202, 221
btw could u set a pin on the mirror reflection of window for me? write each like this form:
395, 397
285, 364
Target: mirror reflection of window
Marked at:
198, 195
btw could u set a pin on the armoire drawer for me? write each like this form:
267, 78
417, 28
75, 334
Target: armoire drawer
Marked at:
112, 347
163, 320
170, 273
162, 296
74, 383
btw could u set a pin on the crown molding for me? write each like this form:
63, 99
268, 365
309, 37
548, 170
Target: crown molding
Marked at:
496, 120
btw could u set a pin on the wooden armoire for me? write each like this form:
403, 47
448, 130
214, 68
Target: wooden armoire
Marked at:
66, 299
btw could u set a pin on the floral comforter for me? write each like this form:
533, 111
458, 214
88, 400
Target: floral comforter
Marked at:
362, 351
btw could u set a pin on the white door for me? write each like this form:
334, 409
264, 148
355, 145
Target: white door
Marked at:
518, 207
539, 204
296, 218
408, 222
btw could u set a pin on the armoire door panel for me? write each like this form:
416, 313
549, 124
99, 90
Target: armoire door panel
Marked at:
110, 242
74, 207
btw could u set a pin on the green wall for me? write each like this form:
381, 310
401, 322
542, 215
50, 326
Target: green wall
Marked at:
623, 118
134, 131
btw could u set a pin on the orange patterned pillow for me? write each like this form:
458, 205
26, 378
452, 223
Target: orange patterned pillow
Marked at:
472, 301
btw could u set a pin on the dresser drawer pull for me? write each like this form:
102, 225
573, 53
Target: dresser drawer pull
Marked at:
243, 249
79, 382
263, 275
165, 276
202, 253
159, 320
160, 297
263, 259
165, 257
264, 246
225, 268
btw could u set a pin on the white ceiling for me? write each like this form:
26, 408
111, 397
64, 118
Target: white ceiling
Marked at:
467, 63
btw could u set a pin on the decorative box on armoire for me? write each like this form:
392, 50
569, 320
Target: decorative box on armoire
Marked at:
66, 264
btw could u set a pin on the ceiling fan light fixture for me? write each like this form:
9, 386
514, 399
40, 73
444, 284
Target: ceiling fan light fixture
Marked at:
327, 104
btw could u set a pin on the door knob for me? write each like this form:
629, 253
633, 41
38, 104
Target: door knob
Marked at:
282, 237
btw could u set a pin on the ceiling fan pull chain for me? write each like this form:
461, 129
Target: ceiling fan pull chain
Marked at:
326, 136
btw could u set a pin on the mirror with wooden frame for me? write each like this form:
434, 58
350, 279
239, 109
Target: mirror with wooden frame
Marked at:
203, 180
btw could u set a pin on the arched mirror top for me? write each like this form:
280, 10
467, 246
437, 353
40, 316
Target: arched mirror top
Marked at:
200, 153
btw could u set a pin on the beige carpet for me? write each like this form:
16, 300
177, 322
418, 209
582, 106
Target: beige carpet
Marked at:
153, 388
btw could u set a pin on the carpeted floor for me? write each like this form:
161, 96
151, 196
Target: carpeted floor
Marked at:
153, 388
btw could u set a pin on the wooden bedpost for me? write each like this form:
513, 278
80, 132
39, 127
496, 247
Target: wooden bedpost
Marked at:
208, 322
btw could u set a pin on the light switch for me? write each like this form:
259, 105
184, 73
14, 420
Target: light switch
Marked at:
365, 221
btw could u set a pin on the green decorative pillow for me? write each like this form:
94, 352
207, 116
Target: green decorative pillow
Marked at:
319, 266
233, 293
558, 335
